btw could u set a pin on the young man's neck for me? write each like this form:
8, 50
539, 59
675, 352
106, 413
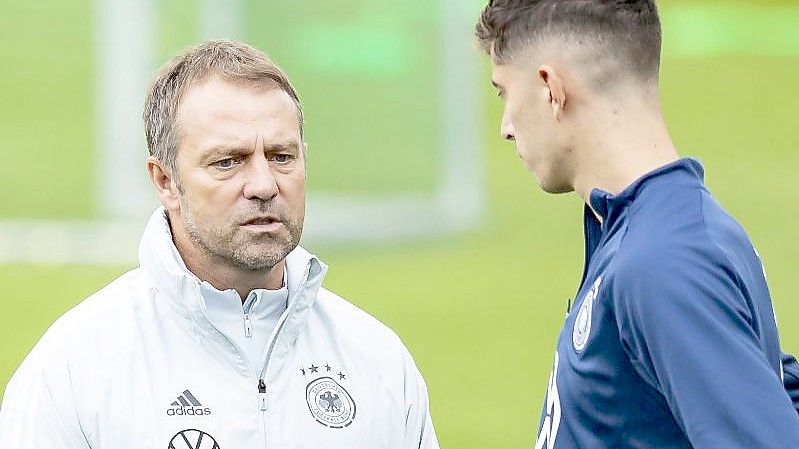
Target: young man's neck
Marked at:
621, 150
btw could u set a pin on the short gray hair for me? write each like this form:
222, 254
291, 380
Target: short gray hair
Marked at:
231, 60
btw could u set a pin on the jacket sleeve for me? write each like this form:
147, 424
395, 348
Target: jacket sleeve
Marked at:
38, 409
688, 330
419, 431
790, 370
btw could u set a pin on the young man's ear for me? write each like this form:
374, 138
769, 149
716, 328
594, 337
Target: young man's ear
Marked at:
165, 184
557, 94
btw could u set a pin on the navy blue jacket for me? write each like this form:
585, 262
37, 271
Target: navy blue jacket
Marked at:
672, 340
791, 368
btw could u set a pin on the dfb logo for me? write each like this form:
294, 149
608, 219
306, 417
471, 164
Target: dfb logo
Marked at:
582, 324
330, 404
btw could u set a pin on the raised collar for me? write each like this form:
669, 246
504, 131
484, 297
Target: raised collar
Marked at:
160, 260
610, 206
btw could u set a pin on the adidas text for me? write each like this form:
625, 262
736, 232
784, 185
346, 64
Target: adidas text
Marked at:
188, 411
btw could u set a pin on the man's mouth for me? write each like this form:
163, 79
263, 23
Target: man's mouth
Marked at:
263, 223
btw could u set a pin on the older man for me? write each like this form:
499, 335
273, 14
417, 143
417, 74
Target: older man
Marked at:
223, 337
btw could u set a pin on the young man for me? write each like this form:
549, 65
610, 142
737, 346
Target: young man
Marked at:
223, 337
672, 341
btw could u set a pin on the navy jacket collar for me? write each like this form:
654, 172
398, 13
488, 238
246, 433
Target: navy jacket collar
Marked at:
610, 206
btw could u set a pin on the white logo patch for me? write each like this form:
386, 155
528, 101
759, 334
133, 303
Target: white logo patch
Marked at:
328, 401
330, 404
582, 324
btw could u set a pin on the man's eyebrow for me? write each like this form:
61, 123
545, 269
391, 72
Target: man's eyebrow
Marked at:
221, 150
495, 84
284, 146
224, 149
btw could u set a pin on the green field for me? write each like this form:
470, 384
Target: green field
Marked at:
480, 312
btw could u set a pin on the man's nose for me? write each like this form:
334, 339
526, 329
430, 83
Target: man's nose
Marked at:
261, 182
506, 129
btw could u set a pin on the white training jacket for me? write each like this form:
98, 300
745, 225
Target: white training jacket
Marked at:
138, 365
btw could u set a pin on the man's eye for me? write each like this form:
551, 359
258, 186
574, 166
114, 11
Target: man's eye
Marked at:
282, 159
225, 163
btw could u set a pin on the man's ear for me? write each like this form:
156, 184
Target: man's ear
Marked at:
166, 186
554, 84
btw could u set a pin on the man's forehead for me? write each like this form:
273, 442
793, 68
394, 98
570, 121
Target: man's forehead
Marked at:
233, 134
221, 101
219, 79
219, 106
218, 91
239, 123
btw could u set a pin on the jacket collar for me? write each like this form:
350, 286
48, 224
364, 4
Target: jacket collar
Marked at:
613, 208
610, 207
160, 260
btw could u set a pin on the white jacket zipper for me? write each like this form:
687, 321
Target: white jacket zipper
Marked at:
263, 399
262, 395
247, 326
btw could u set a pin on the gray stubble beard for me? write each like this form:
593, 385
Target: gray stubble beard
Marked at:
220, 244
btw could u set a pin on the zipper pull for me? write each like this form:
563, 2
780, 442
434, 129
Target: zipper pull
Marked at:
247, 326
262, 394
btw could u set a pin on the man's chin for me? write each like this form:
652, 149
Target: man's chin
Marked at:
264, 255
553, 186
259, 261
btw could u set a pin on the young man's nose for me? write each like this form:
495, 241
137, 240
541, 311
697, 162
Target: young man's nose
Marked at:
506, 129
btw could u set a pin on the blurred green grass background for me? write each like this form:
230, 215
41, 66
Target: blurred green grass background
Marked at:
480, 312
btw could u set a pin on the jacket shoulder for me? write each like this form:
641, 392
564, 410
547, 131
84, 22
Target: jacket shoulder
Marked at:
351, 322
97, 321
93, 314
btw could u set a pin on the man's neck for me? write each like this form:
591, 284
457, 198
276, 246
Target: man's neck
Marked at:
615, 155
221, 273
223, 277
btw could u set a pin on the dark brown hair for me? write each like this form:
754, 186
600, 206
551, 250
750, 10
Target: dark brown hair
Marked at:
231, 60
627, 29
